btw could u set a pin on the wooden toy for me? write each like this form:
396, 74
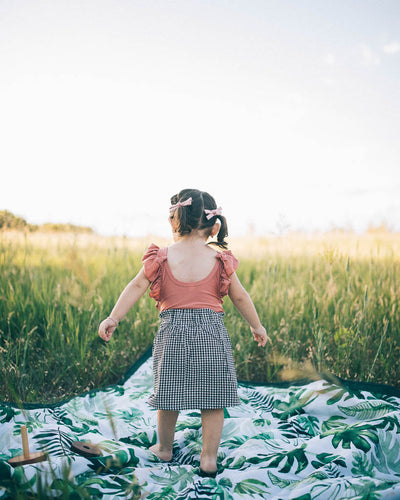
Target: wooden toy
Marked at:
86, 449
27, 457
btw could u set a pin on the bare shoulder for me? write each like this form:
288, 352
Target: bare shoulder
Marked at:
211, 251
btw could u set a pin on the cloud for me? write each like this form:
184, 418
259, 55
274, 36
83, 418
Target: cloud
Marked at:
326, 80
330, 59
386, 190
391, 48
292, 108
367, 56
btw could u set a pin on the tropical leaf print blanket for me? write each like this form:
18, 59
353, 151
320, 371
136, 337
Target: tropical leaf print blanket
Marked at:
315, 440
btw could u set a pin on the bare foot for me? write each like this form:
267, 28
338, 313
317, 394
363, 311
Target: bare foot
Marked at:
208, 464
163, 455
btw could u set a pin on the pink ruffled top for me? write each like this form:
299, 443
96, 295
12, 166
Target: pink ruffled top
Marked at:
170, 293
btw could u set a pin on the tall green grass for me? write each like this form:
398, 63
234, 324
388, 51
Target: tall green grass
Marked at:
328, 305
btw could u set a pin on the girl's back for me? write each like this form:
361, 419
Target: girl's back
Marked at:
191, 261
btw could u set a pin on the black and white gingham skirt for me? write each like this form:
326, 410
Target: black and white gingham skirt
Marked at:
192, 362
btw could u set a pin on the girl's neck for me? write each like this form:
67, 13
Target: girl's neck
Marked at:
195, 238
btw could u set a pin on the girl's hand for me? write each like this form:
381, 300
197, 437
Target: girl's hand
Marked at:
107, 328
260, 335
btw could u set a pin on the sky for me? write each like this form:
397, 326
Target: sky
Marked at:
286, 111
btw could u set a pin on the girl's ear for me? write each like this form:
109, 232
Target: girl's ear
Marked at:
215, 229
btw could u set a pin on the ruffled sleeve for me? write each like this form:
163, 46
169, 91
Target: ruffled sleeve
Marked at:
152, 265
229, 265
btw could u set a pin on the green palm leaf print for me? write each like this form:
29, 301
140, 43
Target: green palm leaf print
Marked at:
367, 409
297, 401
7, 413
358, 435
309, 442
386, 456
249, 487
288, 458
55, 442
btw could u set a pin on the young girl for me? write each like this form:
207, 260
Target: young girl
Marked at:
192, 353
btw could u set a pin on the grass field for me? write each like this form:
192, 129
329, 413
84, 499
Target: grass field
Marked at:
329, 303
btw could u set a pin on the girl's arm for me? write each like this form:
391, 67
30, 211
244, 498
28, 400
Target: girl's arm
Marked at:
128, 298
243, 303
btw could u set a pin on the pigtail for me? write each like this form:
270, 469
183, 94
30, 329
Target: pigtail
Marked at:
181, 218
222, 233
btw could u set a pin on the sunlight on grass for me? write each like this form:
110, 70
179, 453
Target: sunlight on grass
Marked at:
330, 303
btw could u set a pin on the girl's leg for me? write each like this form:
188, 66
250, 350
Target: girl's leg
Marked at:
166, 421
212, 422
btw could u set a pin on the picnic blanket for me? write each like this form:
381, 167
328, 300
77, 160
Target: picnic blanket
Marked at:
304, 440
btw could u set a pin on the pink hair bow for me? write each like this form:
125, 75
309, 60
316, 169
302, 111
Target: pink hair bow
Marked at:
212, 213
181, 204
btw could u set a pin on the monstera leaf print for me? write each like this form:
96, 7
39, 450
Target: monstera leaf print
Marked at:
341, 392
278, 481
117, 390
143, 439
358, 435
250, 487
366, 489
264, 436
362, 465
323, 459
166, 493
262, 422
311, 442
7, 413
80, 425
114, 463
288, 458
177, 477
30, 424
129, 415
190, 452
99, 487
239, 462
210, 488
236, 441
188, 423
386, 456
388, 423
297, 401
81, 409
329, 490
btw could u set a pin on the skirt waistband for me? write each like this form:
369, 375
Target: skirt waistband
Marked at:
192, 314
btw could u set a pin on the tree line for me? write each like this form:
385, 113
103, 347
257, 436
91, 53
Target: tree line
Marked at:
10, 221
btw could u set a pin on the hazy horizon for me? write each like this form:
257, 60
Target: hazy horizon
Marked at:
281, 230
